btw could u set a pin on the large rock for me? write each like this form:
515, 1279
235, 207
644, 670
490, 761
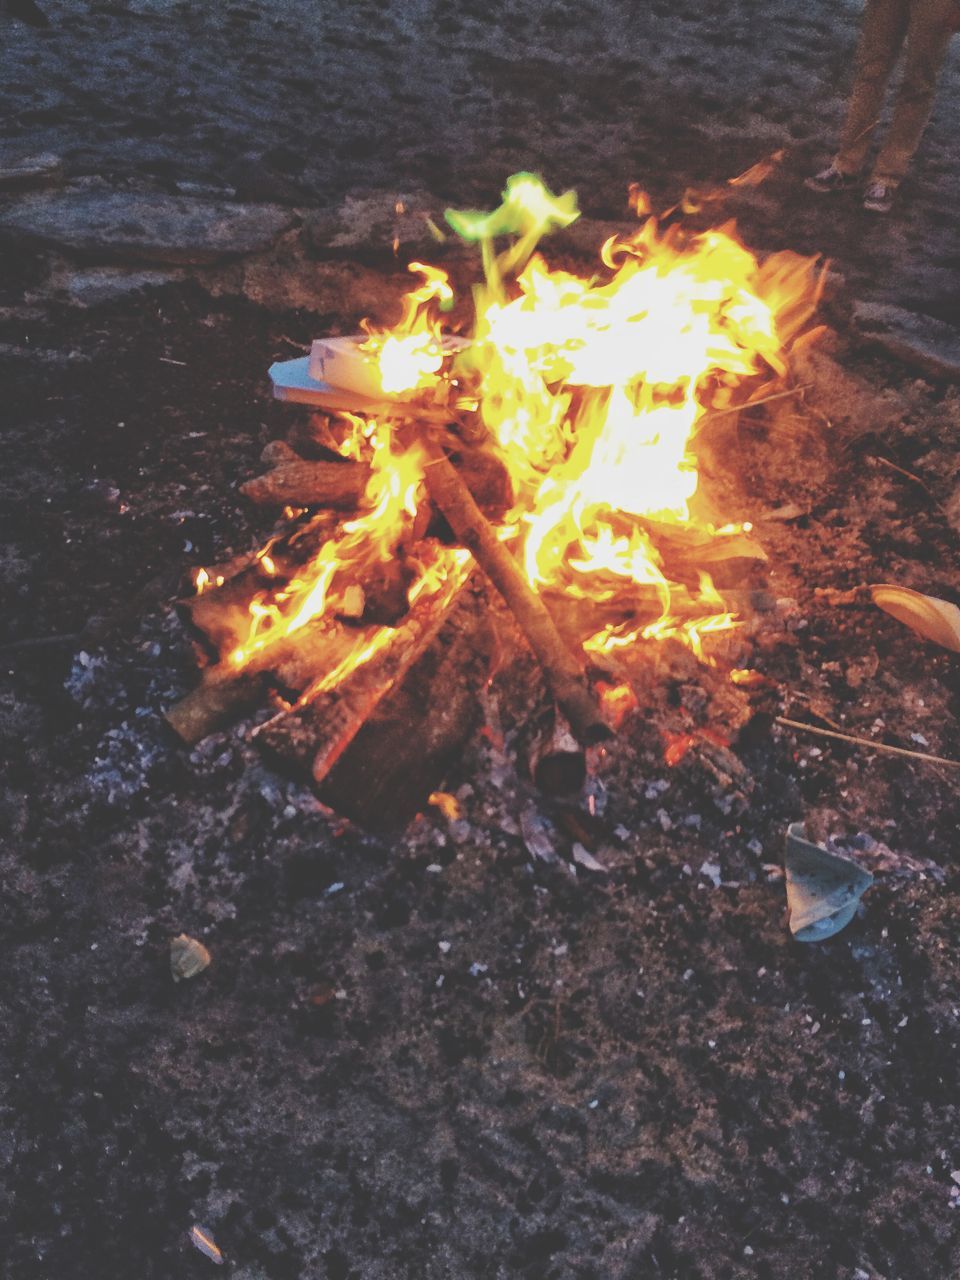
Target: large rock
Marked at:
126, 226
378, 225
94, 286
926, 344
30, 171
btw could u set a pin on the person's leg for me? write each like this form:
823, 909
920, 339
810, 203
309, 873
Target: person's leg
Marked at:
885, 25
928, 38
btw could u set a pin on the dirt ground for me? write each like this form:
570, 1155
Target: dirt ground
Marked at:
432, 1053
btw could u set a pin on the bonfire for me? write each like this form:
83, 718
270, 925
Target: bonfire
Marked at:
550, 443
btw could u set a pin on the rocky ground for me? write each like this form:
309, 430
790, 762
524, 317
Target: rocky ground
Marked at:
455, 1050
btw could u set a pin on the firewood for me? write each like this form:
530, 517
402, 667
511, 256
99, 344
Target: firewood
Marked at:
577, 619
338, 485
278, 451
563, 671
312, 737
379, 782
219, 617
386, 592
220, 698
288, 665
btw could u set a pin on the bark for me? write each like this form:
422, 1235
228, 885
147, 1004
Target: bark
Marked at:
295, 483
216, 702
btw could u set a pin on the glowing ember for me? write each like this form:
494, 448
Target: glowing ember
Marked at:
590, 391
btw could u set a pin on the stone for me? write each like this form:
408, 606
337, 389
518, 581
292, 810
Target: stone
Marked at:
98, 285
381, 224
143, 227
254, 179
30, 171
929, 345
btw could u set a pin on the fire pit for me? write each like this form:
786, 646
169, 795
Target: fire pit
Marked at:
549, 439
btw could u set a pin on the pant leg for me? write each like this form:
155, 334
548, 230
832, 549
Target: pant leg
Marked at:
885, 24
928, 39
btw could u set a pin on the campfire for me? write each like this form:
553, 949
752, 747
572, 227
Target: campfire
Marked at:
547, 443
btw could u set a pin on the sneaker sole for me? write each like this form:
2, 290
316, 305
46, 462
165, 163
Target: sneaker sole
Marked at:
822, 190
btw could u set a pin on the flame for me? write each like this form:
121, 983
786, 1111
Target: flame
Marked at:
318, 590
411, 356
591, 391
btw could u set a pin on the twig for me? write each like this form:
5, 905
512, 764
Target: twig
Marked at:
866, 742
750, 404
916, 480
39, 642
167, 360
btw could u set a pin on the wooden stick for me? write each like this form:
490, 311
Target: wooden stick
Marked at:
712, 414
866, 742
563, 671
40, 642
219, 699
338, 485
219, 615
378, 781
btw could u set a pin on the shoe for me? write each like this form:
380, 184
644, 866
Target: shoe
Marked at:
830, 179
878, 197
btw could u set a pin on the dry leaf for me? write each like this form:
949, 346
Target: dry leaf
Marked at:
188, 957
931, 618
823, 889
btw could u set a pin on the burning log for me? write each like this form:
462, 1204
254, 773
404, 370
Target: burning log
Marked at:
218, 614
338, 484
378, 781
289, 664
312, 737
227, 691
564, 673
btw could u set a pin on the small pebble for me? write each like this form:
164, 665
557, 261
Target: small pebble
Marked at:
188, 957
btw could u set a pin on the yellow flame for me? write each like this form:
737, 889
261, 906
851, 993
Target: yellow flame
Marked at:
410, 357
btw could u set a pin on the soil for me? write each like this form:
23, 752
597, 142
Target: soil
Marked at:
454, 1050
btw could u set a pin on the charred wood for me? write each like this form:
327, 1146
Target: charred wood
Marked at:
312, 737
381, 780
